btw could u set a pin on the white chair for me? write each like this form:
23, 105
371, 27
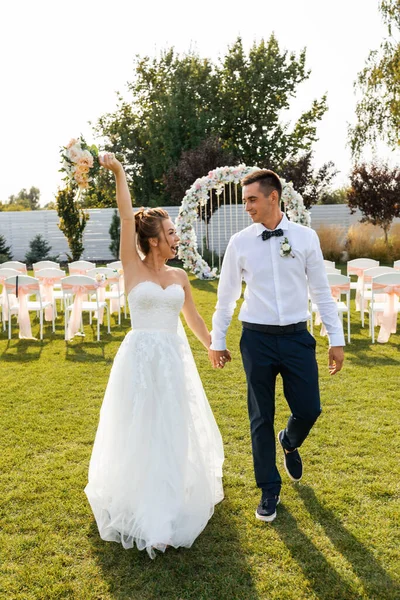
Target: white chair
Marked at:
333, 270
365, 290
80, 267
15, 264
81, 286
117, 264
357, 267
18, 289
111, 289
388, 286
5, 274
329, 263
50, 285
396, 265
339, 284
44, 264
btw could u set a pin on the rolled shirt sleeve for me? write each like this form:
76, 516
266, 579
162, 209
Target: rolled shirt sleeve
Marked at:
229, 291
320, 293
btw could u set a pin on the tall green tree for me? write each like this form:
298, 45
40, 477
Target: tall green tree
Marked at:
72, 221
177, 102
378, 111
254, 90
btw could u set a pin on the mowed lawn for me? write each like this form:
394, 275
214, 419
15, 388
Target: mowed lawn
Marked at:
337, 534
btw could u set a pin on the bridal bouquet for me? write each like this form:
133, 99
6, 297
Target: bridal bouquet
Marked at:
79, 163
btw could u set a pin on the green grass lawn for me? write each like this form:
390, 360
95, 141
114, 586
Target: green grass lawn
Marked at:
337, 533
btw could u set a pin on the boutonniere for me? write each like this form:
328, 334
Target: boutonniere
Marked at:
286, 248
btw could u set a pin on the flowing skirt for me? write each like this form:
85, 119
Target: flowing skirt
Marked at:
156, 466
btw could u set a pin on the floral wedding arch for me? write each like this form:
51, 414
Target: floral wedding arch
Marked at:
196, 199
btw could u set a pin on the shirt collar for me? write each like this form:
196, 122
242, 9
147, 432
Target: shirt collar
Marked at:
284, 224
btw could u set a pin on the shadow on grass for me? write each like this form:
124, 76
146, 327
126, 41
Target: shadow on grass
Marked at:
214, 568
324, 580
80, 352
377, 583
18, 350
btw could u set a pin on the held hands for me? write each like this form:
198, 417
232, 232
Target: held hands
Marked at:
108, 161
336, 359
219, 358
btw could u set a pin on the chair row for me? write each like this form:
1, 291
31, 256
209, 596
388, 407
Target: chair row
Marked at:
78, 267
78, 293
357, 265
383, 298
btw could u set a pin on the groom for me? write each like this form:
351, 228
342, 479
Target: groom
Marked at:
279, 262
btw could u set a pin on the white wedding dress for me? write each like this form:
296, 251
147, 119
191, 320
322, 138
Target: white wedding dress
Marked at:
156, 466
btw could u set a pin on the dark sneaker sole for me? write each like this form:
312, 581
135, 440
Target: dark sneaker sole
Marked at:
269, 518
284, 461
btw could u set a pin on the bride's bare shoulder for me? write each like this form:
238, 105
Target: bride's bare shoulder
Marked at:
180, 275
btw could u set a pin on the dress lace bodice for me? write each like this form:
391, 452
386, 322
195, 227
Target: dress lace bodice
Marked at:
154, 308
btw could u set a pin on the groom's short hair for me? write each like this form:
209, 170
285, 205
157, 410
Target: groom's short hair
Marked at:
268, 181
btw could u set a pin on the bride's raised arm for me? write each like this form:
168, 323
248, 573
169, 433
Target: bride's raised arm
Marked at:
127, 249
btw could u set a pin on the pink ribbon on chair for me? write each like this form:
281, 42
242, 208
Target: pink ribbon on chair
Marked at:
337, 290
74, 322
47, 286
80, 292
359, 271
388, 320
25, 330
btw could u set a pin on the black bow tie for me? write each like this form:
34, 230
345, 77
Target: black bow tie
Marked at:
268, 234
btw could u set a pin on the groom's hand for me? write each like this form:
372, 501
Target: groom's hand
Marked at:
219, 358
336, 359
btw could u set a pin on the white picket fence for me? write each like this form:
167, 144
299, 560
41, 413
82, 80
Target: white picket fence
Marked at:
19, 228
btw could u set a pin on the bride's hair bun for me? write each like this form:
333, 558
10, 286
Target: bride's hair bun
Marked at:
148, 225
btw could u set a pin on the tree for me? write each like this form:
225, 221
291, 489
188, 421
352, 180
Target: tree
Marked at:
313, 185
375, 190
378, 111
177, 102
72, 221
26, 200
5, 251
115, 232
253, 92
193, 164
39, 249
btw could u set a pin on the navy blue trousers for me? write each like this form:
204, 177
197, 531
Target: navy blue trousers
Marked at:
292, 356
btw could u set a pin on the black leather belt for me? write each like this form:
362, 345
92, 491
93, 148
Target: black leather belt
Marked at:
276, 329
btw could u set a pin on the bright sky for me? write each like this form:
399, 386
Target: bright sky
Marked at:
61, 64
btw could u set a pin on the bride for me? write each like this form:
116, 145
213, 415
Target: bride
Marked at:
156, 466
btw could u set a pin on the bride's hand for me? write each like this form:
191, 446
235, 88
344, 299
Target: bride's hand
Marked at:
108, 161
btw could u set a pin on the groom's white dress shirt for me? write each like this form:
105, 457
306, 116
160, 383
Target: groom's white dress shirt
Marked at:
277, 286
